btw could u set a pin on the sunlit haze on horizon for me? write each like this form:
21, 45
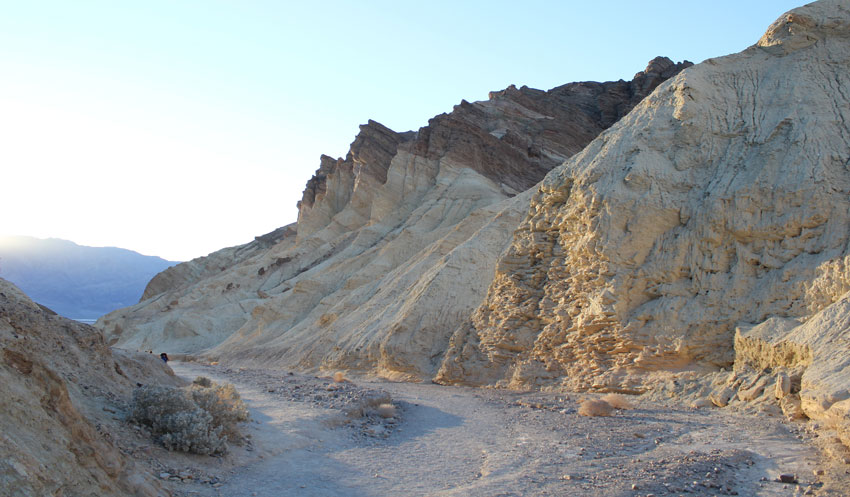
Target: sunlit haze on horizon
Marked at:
179, 128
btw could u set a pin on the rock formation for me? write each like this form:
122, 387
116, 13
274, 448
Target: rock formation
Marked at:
719, 203
58, 384
395, 244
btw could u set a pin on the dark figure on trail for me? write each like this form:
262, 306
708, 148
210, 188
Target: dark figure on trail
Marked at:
164, 357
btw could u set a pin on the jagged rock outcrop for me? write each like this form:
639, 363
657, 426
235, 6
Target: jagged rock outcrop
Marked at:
807, 361
395, 244
58, 384
183, 275
721, 200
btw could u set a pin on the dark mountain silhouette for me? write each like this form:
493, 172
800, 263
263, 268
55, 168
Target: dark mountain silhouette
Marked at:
76, 281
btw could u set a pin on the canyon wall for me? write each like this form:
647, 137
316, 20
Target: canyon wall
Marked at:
395, 243
60, 390
720, 203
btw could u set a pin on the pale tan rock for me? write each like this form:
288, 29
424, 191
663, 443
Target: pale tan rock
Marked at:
701, 403
722, 396
792, 408
813, 346
754, 390
782, 387
58, 384
719, 200
395, 244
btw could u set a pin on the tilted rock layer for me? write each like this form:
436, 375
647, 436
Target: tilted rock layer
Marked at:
720, 200
395, 244
58, 383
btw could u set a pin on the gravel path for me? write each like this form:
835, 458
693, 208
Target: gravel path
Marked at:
452, 441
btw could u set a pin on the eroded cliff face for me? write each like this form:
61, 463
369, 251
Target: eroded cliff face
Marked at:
58, 383
395, 244
720, 200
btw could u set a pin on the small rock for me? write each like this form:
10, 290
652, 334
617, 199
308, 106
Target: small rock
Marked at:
818, 472
783, 385
787, 478
723, 396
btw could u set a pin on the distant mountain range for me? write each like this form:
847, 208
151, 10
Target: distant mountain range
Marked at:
76, 281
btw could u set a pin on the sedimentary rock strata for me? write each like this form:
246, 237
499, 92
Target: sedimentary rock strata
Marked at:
59, 388
720, 200
395, 243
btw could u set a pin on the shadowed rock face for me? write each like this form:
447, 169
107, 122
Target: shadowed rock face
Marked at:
512, 139
185, 275
395, 244
329, 190
720, 200
508, 147
57, 380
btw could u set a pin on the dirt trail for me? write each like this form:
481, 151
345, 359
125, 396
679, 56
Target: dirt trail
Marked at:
452, 441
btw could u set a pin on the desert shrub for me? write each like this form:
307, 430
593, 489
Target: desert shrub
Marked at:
196, 419
176, 421
617, 401
375, 399
202, 381
592, 407
370, 405
225, 406
386, 410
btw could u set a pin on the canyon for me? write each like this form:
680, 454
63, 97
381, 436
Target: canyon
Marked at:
682, 238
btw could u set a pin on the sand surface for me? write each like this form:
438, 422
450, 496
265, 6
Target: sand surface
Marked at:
456, 441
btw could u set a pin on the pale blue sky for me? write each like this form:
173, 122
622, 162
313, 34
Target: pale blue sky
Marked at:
176, 128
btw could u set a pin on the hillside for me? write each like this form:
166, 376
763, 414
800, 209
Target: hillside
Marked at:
76, 281
707, 229
395, 243
60, 386
718, 207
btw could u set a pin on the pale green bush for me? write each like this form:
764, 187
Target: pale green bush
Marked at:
225, 406
198, 419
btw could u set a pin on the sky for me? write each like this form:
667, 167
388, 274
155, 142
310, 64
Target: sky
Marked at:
176, 128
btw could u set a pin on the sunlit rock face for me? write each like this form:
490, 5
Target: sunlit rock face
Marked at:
395, 244
721, 200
